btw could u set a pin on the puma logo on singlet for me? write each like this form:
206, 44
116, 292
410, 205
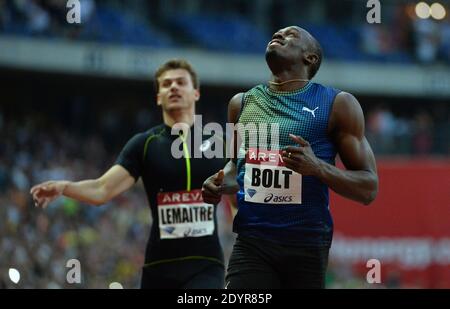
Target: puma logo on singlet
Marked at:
310, 110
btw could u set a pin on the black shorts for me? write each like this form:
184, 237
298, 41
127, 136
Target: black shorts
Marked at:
187, 274
259, 264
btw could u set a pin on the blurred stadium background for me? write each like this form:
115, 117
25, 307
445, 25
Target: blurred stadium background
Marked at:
72, 95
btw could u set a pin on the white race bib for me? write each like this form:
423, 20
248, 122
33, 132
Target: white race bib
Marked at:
268, 181
184, 214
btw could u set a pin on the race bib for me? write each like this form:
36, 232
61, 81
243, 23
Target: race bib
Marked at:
184, 214
268, 181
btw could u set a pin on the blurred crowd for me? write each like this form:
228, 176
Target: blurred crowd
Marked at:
39, 243
40, 17
421, 133
339, 25
109, 241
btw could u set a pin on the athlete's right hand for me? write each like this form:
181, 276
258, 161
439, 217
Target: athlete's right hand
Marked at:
45, 193
212, 188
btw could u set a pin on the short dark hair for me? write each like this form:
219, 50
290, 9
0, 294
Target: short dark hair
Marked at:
174, 64
316, 49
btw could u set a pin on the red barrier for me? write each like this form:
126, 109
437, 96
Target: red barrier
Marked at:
407, 228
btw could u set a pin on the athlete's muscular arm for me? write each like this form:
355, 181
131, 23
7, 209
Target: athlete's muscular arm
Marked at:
359, 181
95, 192
224, 182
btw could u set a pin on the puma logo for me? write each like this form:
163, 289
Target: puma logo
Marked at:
310, 111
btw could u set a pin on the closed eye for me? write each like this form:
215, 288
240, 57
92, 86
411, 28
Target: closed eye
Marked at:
293, 34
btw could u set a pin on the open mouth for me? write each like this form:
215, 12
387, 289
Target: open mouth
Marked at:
174, 97
276, 42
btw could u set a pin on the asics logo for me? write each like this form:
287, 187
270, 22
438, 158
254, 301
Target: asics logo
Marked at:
278, 198
268, 198
310, 110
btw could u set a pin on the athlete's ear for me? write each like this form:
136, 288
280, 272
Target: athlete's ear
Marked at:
158, 99
197, 95
310, 58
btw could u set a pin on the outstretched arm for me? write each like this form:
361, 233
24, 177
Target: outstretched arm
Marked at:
359, 181
95, 192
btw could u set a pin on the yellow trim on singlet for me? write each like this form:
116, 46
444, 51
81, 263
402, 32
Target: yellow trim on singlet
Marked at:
149, 139
184, 258
188, 163
188, 188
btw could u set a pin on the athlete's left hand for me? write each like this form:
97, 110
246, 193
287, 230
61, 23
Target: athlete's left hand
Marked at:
301, 159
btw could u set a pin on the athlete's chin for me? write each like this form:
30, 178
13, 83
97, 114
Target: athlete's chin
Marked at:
270, 50
173, 107
272, 53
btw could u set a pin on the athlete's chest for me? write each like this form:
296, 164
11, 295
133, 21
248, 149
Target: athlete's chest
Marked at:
281, 117
180, 162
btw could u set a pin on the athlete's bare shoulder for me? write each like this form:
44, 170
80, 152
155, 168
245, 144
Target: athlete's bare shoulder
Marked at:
234, 107
346, 114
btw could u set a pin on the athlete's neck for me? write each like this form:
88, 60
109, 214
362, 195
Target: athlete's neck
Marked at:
181, 116
287, 82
